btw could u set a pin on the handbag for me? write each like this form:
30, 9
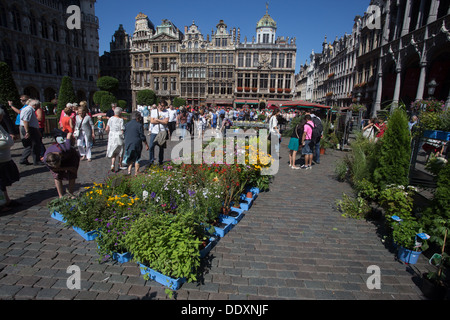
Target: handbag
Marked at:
76, 132
161, 137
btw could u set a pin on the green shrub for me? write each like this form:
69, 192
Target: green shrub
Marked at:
106, 102
8, 89
107, 83
395, 152
356, 208
146, 97
66, 94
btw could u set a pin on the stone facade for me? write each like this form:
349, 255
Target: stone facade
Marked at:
387, 62
218, 70
40, 49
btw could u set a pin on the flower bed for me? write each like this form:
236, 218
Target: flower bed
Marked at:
164, 218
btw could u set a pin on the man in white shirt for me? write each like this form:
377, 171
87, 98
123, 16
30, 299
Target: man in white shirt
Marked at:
30, 134
159, 118
172, 120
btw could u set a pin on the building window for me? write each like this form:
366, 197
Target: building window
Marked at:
255, 80
289, 60
156, 83
287, 83
224, 58
217, 42
58, 65
37, 61
230, 58
155, 48
274, 60
224, 42
248, 60
280, 81
265, 38
210, 57
16, 19
33, 27
217, 58
164, 65
255, 59
21, 58
247, 80
55, 31
44, 28
173, 83
240, 60
47, 62
3, 20
281, 60
273, 78
155, 64
263, 80
173, 64
239, 80
165, 83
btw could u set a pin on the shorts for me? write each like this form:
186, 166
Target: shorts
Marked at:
307, 148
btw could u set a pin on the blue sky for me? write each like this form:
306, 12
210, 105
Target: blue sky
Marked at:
309, 21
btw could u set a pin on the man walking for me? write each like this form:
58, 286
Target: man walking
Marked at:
30, 134
317, 124
159, 118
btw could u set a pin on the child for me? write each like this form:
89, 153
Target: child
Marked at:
100, 126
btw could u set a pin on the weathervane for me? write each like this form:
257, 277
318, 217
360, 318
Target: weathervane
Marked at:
267, 7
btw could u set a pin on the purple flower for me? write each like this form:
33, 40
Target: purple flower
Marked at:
153, 195
191, 193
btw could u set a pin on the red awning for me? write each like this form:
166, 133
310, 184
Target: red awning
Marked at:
306, 104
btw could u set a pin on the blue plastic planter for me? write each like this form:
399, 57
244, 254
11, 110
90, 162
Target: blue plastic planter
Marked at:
436, 134
89, 236
172, 283
58, 216
207, 249
122, 257
408, 256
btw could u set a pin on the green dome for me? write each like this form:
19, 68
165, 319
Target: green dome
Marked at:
266, 21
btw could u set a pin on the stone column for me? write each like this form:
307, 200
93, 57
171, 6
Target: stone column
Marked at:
407, 17
433, 11
421, 13
421, 86
397, 21
377, 105
396, 98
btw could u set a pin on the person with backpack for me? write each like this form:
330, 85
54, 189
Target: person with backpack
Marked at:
307, 144
319, 127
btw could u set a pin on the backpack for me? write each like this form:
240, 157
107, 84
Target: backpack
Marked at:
318, 124
315, 136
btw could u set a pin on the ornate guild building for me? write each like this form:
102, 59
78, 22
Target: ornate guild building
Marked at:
39, 48
218, 70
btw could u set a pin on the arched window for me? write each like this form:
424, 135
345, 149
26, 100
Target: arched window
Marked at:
16, 19
55, 31
3, 20
48, 62
21, 57
58, 64
36, 61
78, 67
69, 67
33, 27
44, 28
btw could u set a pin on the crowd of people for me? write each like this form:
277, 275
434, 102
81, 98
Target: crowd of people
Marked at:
78, 129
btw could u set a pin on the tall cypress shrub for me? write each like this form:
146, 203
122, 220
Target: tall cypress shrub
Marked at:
66, 94
8, 89
395, 152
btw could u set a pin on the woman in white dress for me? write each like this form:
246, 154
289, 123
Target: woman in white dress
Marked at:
84, 133
115, 147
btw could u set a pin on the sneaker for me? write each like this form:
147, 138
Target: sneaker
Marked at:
303, 167
295, 168
123, 168
309, 167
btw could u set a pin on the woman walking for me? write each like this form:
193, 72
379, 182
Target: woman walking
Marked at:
134, 138
294, 143
84, 133
67, 122
116, 138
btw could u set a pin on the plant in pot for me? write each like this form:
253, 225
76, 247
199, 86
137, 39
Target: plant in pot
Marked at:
433, 282
406, 235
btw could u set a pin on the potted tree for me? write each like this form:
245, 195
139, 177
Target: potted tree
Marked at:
406, 234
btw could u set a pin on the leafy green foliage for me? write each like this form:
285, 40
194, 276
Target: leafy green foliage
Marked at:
66, 94
8, 88
356, 208
107, 83
395, 152
146, 97
106, 102
178, 102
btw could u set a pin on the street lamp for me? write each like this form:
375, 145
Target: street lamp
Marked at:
431, 88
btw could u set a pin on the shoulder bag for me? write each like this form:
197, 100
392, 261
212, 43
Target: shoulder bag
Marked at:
162, 136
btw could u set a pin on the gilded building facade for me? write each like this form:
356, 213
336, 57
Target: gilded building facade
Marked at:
214, 70
40, 49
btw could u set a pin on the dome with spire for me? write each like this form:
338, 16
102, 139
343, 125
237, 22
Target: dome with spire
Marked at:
266, 21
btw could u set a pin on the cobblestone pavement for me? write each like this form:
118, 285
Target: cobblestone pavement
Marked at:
292, 244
